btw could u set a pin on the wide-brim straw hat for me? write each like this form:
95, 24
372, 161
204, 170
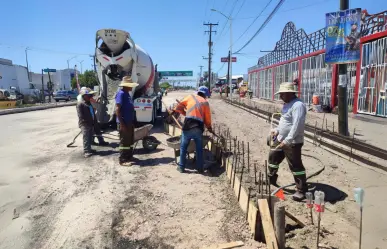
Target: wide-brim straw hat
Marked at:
287, 87
87, 91
127, 82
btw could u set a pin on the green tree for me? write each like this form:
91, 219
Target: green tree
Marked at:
165, 85
87, 79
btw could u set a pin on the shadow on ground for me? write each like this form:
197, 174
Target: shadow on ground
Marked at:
332, 194
152, 161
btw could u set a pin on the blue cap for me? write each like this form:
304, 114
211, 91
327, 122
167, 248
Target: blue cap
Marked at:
204, 90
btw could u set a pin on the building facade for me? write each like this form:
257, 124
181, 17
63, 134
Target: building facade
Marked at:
298, 55
12, 75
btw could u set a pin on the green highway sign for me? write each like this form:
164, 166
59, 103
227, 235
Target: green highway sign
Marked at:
49, 70
175, 73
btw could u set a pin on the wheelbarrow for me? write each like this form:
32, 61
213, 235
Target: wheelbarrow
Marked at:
149, 143
174, 143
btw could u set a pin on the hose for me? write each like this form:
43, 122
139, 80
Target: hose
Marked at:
310, 176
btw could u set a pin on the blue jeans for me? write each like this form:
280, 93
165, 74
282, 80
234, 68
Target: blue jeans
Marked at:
197, 135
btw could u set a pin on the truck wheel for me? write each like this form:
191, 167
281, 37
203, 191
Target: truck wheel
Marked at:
150, 143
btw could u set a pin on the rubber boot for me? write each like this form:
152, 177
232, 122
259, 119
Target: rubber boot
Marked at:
273, 179
301, 187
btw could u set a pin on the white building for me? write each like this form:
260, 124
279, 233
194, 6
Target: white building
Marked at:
17, 76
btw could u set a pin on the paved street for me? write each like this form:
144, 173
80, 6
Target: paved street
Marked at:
51, 197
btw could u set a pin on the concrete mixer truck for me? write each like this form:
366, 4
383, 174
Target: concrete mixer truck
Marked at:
116, 56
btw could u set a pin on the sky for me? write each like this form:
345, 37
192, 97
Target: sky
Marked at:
171, 31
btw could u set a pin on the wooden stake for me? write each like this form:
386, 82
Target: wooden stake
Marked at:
279, 225
292, 217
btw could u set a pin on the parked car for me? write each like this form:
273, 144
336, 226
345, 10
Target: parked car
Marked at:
65, 95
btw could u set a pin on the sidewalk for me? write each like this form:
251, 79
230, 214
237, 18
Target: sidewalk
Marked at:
370, 129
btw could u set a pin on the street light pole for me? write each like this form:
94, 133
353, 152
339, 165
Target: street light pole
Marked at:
80, 62
68, 61
230, 51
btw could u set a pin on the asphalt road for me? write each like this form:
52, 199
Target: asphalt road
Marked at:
52, 197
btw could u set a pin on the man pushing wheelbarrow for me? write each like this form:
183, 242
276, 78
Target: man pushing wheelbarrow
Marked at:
197, 115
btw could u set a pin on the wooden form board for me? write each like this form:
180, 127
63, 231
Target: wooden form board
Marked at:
252, 217
236, 186
229, 171
243, 199
267, 224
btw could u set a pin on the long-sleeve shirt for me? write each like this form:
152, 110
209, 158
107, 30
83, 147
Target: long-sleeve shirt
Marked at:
197, 112
291, 126
85, 114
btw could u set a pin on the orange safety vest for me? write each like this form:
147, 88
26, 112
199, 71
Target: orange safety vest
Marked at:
195, 107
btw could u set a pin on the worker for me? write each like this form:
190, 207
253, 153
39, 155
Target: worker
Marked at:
288, 139
125, 120
197, 115
87, 121
97, 129
166, 92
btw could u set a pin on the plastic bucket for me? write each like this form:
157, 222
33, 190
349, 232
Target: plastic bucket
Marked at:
316, 100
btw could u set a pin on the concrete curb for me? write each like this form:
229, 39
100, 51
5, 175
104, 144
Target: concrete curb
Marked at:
34, 108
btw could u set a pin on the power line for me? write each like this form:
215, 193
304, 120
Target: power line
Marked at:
213, 6
42, 49
263, 25
288, 10
240, 8
267, 5
221, 68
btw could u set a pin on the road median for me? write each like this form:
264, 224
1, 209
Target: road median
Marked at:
35, 108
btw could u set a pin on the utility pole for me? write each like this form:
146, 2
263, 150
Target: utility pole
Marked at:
228, 73
28, 70
210, 49
342, 89
93, 58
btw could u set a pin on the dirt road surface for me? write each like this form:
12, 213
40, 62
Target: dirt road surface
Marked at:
340, 221
51, 197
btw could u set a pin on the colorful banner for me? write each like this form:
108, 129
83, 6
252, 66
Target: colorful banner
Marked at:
343, 36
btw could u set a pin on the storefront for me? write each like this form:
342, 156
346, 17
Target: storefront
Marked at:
302, 57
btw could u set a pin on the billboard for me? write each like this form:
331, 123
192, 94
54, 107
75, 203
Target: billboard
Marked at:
343, 36
225, 59
175, 73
